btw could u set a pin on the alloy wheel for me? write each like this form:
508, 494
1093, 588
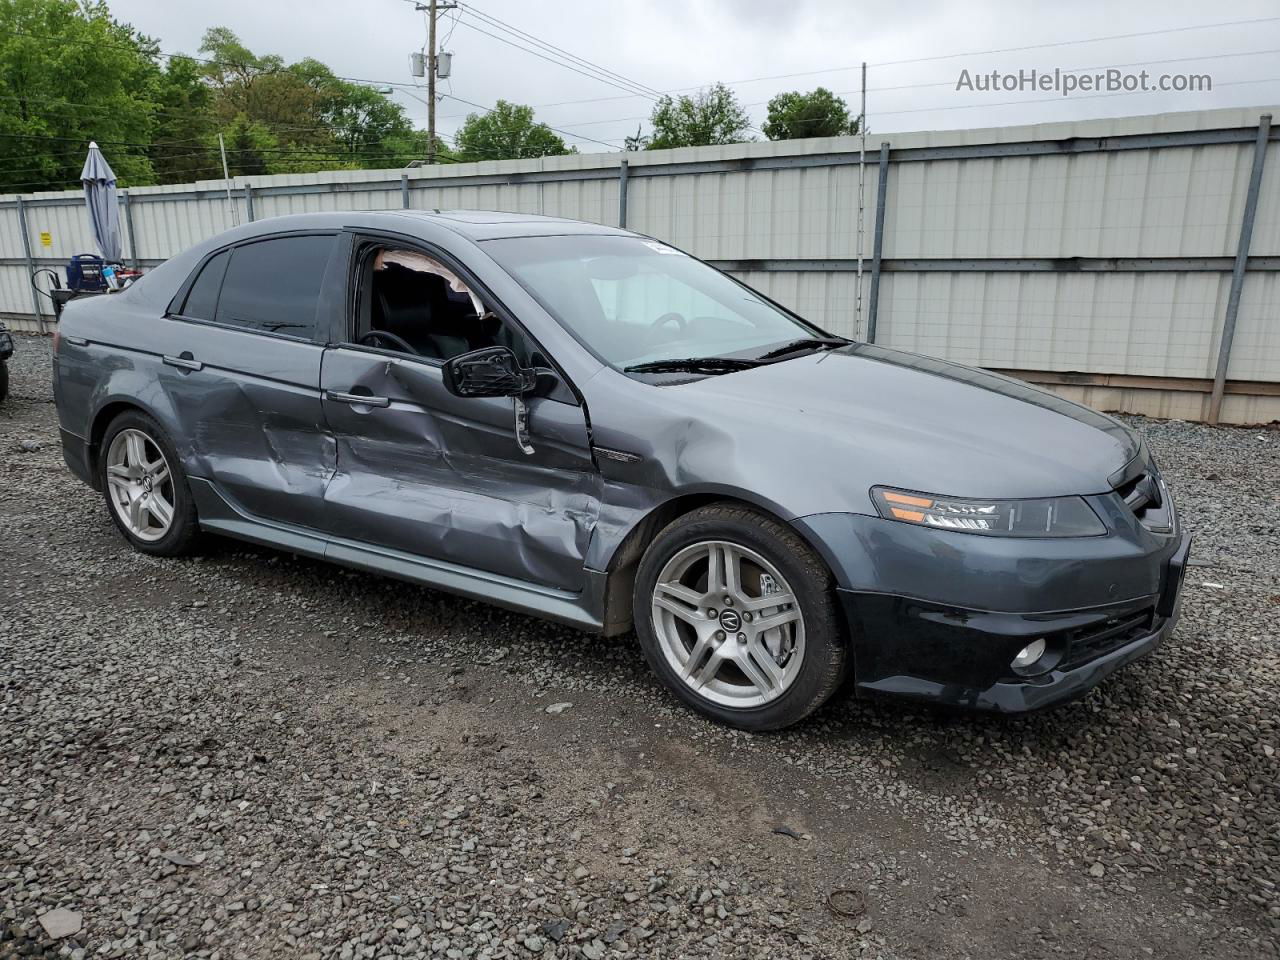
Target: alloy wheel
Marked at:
729, 624
140, 485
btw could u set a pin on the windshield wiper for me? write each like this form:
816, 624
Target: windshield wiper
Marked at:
693, 365
808, 343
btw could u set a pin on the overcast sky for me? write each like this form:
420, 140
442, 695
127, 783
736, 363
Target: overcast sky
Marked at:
678, 45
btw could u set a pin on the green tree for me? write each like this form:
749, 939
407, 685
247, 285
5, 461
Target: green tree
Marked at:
819, 113
507, 132
69, 74
233, 69
313, 119
367, 125
710, 116
253, 150
184, 144
261, 89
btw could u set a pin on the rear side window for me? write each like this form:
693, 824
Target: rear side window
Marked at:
202, 301
273, 286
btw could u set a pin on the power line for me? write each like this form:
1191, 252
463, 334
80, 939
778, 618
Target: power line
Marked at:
947, 56
1068, 43
166, 112
140, 48
1073, 70
516, 31
85, 140
951, 83
403, 85
1094, 96
559, 63
577, 136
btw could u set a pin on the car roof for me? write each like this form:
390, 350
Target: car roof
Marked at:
159, 285
474, 224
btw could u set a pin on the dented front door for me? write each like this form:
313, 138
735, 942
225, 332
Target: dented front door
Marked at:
424, 472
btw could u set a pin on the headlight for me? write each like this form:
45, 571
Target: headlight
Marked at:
1055, 517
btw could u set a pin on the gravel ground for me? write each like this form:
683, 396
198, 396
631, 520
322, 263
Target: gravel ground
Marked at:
251, 755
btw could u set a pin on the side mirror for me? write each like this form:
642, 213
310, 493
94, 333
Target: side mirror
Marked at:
488, 372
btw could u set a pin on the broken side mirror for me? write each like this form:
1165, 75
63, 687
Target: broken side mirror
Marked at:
488, 372
494, 372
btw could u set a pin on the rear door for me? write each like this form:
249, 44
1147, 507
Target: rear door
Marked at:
242, 369
424, 472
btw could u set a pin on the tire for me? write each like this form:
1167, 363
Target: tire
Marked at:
4, 379
686, 629
122, 484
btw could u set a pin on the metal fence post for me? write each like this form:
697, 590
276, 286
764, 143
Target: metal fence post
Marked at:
404, 191
129, 231
31, 263
1237, 273
622, 194
873, 301
248, 203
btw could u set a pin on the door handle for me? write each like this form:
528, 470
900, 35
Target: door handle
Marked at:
183, 363
361, 398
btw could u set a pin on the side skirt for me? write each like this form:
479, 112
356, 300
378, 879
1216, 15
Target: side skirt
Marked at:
582, 610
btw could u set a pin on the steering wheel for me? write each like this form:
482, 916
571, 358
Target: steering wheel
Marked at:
676, 319
398, 342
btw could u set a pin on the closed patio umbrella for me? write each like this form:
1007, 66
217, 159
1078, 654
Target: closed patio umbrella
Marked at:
100, 197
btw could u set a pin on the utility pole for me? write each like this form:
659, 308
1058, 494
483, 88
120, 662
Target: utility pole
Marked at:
432, 9
226, 179
431, 84
862, 187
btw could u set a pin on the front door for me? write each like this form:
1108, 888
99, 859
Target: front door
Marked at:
424, 472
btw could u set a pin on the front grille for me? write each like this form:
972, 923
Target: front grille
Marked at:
1089, 643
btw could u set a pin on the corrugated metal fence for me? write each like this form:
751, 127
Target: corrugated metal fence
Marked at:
1098, 257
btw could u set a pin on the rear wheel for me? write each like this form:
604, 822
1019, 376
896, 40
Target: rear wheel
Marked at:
4, 379
145, 488
738, 617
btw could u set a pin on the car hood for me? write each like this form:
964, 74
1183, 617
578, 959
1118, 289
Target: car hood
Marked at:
863, 415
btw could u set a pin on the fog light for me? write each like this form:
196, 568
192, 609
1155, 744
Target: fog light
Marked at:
1029, 654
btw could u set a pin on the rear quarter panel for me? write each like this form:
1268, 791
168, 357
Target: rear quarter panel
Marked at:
110, 353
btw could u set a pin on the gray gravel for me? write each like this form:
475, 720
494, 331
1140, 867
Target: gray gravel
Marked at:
251, 755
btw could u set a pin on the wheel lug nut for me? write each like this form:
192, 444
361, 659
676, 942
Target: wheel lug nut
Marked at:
719, 634
748, 617
711, 612
742, 638
728, 601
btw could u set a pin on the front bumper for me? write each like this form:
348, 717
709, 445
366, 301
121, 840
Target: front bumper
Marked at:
961, 657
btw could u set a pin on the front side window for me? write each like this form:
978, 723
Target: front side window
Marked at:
409, 302
273, 286
635, 301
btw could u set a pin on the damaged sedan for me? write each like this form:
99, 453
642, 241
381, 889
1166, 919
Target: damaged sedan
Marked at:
591, 426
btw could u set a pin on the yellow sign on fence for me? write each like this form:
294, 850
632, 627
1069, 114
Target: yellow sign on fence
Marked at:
46, 238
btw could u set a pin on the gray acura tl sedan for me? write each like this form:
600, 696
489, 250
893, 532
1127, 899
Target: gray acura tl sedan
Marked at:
591, 426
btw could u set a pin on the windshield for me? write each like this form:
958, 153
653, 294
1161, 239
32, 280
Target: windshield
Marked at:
634, 301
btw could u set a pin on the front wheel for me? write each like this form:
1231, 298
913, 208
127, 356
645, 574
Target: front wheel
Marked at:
738, 617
